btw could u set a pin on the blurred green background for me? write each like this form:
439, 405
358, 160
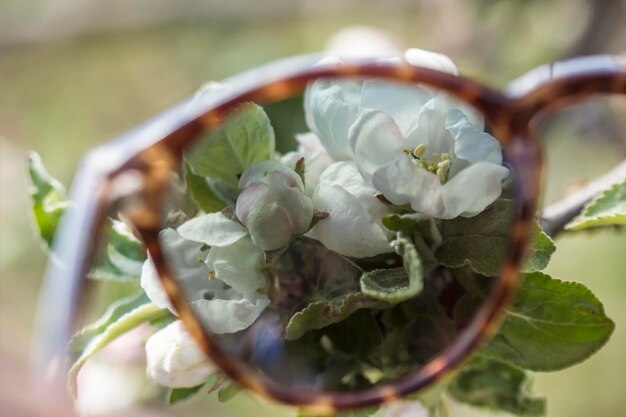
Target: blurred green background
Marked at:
74, 74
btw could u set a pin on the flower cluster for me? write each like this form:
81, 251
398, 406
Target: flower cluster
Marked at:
374, 148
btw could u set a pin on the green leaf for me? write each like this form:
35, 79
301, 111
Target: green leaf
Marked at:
358, 335
124, 256
214, 382
201, 192
608, 209
48, 199
121, 317
480, 242
539, 252
320, 314
496, 386
415, 224
397, 284
180, 394
552, 325
228, 392
245, 138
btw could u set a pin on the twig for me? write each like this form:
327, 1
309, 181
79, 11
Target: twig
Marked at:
557, 215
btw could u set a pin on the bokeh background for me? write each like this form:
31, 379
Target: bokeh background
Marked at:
74, 74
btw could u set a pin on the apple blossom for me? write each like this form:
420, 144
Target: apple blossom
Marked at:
443, 166
273, 204
174, 359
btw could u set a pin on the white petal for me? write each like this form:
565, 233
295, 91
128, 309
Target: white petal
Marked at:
345, 174
316, 159
309, 143
230, 316
401, 182
238, 265
184, 257
174, 359
432, 60
430, 129
152, 286
376, 140
401, 102
473, 189
330, 108
260, 170
213, 229
476, 146
349, 229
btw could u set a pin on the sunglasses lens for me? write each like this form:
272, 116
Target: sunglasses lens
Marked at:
342, 238
582, 141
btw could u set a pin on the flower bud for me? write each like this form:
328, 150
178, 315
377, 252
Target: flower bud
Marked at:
174, 359
273, 205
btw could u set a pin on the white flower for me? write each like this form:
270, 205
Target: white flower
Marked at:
441, 165
316, 159
183, 257
331, 106
273, 204
238, 265
216, 283
353, 226
174, 359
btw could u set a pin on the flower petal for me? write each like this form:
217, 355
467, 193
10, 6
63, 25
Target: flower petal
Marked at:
174, 359
213, 229
349, 229
330, 108
401, 182
401, 102
430, 129
473, 189
345, 174
232, 315
184, 258
376, 140
260, 170
476, 146
432, 60
238, 265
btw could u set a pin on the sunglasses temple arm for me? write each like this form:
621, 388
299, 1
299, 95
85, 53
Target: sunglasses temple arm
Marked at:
75, 239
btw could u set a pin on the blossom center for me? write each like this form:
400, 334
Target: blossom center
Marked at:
438, 164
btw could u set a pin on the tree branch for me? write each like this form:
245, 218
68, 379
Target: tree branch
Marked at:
557, 215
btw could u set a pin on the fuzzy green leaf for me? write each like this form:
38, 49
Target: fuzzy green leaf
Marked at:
245, 138
496, 386
608, 209
48, 199
480, 242
415, 224
121, 317
201, 192
320, 314
552, 325
397, 284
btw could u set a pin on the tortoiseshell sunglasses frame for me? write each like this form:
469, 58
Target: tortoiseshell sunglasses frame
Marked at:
138, 165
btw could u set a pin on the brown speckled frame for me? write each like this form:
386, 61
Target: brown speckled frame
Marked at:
139, 165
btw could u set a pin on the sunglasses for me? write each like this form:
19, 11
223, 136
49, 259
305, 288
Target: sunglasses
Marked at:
264, 200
